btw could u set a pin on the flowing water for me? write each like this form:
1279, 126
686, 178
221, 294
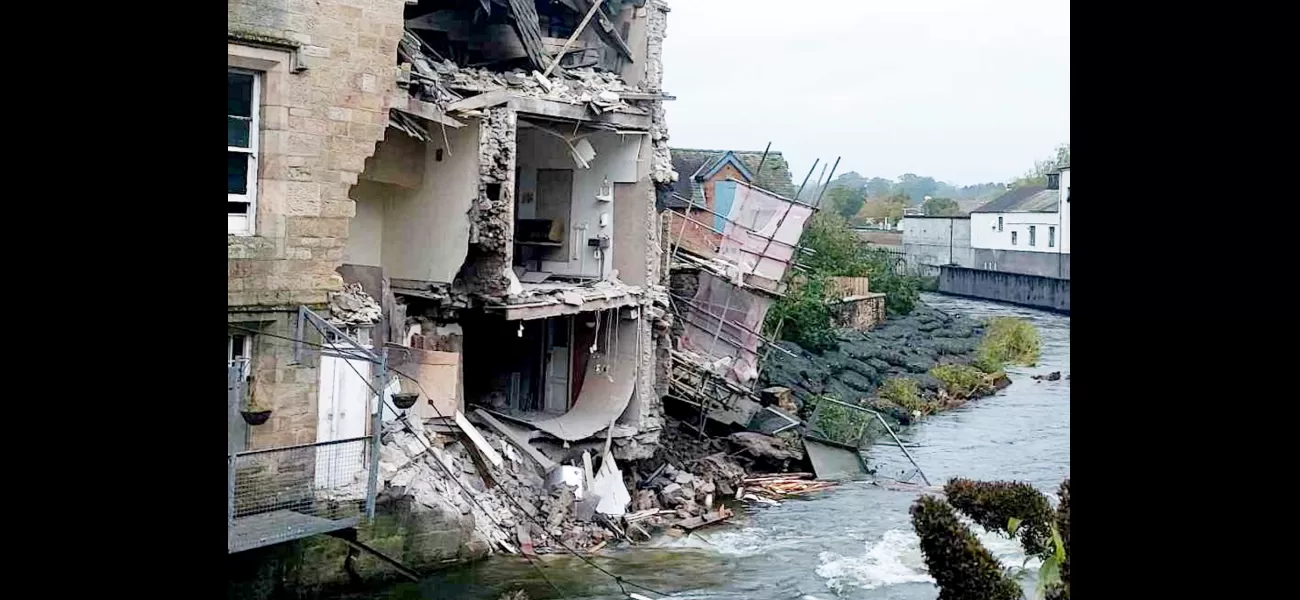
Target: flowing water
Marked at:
855, 541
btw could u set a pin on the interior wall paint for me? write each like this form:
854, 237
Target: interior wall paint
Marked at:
426, 228
616, 159
366, 230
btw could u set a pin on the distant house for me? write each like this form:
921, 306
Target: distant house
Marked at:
696, 193
1026, 230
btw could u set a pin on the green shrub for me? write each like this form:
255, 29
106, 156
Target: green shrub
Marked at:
962, 567
994, 504
905, 393
804, 315
1007, 340
1063, 526
960, 381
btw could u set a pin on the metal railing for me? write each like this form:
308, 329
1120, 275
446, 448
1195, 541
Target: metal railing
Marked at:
291, 492
286, 493
851, 426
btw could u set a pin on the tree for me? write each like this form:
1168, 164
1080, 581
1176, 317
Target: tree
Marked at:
916, 187
888, 209
878, 187
941, 207
845, 201
1038, 174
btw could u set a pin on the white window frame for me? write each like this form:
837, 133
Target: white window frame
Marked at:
1051, 237
246, 224
245, 349
1033, 235
999, 223
1013, 238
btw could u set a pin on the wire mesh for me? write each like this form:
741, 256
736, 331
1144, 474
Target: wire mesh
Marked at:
842, 424
282, 494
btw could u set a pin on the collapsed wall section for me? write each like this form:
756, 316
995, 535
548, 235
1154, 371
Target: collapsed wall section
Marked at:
492, 217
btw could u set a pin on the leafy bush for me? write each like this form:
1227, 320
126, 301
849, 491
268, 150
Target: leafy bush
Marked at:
987, 360
994, 504
905, 393
804, 316
1063, 526
1007, 340
961, 566
836, 251
960, 381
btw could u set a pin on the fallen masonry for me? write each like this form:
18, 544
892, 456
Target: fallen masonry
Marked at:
519, 507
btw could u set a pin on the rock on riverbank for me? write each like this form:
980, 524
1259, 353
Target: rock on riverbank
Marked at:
902, 346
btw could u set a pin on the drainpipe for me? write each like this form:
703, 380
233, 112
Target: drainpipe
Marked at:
950, 225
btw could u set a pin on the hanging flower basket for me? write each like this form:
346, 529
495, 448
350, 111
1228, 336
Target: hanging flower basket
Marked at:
255, 417
405, 400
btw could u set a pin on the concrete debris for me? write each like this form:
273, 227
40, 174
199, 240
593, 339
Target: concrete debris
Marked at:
771, 451
353, 307
609, 486
575, 294
600, 90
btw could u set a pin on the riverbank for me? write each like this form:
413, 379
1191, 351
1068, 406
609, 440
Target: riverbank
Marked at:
916, 347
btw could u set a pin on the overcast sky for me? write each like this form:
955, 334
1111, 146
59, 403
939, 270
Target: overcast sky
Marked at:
965, 91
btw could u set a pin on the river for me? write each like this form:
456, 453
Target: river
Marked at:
854, 542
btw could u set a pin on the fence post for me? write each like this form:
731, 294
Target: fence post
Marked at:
377, 422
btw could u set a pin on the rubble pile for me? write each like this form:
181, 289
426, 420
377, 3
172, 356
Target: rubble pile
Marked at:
446, 82
353, 306
515, 509
501, 512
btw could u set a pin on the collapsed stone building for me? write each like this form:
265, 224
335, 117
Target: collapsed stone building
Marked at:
452, 198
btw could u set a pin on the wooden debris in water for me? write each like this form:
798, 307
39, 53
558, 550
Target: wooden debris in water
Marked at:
768, 489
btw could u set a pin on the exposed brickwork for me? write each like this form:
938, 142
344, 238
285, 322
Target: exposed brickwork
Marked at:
492, 218
702, 239
317, 128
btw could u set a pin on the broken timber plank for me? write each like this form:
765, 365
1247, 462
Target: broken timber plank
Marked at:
483, 100
524, 19
479, 442
477, 458
424, 110
645, 96
518, 440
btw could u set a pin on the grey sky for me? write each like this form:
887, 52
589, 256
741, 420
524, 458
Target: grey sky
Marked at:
964, 91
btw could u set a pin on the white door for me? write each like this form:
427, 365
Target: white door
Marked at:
343, 414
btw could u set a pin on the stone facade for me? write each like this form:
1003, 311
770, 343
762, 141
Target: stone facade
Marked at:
317, 127
860, 313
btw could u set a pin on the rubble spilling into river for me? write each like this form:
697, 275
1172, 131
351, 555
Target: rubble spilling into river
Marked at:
684, 486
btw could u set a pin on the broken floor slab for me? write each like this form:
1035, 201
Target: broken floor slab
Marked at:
605, 394
552, 299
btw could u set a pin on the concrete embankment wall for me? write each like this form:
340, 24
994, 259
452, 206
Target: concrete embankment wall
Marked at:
1028, 290
421, 538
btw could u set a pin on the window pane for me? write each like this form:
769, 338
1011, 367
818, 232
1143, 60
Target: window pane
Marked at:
237, 129
236, 208
239, 94
236, 173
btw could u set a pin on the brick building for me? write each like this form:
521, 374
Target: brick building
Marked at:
693, 194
